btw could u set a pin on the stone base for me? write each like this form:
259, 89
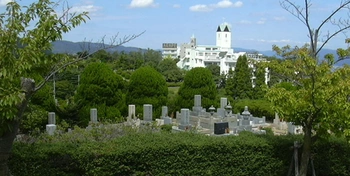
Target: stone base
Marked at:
50, 129
185, 127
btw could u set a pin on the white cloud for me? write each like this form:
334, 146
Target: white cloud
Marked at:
85, 8
200, 8
142, 3
279, 18
176, 5
4, 2
211, 7
261, 21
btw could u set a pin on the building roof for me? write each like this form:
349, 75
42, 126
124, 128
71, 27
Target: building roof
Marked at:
224, 27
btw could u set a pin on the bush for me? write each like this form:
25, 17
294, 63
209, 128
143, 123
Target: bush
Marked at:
123, 151
100, 88
197, 81
147, 86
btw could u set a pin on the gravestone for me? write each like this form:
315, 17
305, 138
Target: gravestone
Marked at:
223, 102
51, 127
197, 108
168, 120
220, 127
52, 118
147, 113
185, 119
131, 114
164, 111
93, 115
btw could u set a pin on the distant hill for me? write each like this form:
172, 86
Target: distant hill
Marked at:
74, 47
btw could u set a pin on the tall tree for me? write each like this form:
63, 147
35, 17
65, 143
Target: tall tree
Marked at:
100, 88
167, 67
197, 81
320, 103
25, 44
259, 82
240, 84
147, 86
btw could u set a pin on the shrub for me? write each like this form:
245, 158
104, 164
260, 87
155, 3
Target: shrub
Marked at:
147, 86
197, 81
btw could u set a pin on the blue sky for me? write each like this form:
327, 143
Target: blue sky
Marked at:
256, 24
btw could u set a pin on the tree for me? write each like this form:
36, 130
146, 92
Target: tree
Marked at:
167, 67
239, 85
320, 101
259, 82
197, 81
147, 86
215, 71
25, 44
100, 87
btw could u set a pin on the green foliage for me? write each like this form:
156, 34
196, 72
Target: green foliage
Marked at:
239, 84
260, 86
100, 88
94, 152
25, 45
147, 86
258, 108
197, 81
167, 67
318, 96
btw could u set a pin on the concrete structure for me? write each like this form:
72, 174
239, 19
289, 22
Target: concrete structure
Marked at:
192, 55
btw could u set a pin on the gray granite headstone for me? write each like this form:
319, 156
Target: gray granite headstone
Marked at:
223, 102
50, 129
167, 120
131, 114
164, 111
52, 118
185, 119
147, 112
93, 115
197, 101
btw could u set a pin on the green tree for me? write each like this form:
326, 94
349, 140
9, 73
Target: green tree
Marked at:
320, 101
197, 81
239, 85
100, 87
215, 71
168, 68
147, 86
259, 82
25, 59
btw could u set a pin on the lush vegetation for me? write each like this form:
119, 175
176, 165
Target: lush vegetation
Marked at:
122, 151
197, 81
147, 86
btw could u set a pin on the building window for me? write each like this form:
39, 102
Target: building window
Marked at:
226, 35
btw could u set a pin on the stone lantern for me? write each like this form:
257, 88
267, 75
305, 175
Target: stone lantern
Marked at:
211, 110
228, 109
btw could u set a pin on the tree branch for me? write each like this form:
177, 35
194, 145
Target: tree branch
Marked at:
56, 69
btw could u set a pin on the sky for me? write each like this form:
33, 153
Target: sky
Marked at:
256, 24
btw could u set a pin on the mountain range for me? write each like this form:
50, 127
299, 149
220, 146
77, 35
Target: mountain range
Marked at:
74, 47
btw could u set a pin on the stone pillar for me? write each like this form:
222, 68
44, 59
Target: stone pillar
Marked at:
223, 103
51, 127
197, 101
52, 118
131, 114
93, 115
185, 119
147, 112
164, 112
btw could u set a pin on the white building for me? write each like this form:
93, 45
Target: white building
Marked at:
192, 55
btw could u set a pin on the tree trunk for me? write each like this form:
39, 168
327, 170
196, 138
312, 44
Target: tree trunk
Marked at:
6, 142
306, 153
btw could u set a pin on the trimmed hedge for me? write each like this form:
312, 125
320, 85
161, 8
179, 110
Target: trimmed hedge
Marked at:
174, 154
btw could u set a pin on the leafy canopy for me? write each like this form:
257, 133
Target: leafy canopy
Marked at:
26, 36
320, 97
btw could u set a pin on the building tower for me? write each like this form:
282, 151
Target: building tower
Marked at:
193, 41
223, 36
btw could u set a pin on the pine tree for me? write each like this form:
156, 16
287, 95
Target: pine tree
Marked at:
258, 92
239, 85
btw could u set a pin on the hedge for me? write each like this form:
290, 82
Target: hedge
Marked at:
174, 154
